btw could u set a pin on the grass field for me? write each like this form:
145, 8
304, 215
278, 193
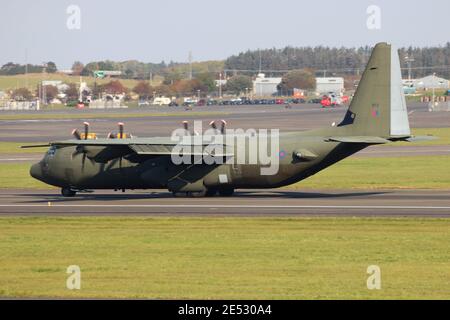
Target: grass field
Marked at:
262, 258
14, 147
21, 80
442, 135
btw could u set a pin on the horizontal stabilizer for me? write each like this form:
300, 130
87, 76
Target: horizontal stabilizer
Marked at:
358, 139
421, 138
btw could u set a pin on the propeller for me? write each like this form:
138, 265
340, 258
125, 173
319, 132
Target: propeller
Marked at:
223, 126
213, 125
111, 136
79, 150
86, 130
76, 134
120, 124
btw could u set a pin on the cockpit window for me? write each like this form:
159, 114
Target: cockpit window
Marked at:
51, 151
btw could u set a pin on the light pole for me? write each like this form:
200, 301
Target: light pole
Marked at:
198, 95
432, 83
408, 60
220, 85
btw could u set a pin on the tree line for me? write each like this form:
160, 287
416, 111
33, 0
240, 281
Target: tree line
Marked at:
339, 61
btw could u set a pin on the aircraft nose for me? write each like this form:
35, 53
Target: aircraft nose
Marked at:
36, 171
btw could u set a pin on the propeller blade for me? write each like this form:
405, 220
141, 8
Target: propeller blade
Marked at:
78, 150
213, 124
86, 130
185, 125
111, 136
76, 134
83, 160
223, 126
120, 124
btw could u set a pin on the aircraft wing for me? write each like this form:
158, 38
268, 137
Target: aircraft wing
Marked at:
103, 150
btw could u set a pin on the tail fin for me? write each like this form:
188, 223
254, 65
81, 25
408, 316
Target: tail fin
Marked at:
379, 107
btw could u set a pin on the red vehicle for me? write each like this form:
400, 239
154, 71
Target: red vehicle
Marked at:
279, 101
325, 102
330, 101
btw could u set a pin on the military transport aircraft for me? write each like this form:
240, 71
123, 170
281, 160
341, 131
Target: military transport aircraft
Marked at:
376, 115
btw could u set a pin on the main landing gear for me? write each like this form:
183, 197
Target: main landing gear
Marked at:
211, 192
67, 192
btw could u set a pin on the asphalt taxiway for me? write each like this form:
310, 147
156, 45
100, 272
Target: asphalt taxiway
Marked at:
252, 203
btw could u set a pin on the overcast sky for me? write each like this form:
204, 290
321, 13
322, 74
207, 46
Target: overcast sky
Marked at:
152, 31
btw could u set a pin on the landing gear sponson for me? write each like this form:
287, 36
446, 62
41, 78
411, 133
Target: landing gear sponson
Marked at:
228, 192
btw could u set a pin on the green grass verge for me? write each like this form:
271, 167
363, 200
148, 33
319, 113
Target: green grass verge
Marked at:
17, 175
442, 135
100, 115
225, 258
14, 147
419, 172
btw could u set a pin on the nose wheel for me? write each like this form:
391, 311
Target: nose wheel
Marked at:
67, 192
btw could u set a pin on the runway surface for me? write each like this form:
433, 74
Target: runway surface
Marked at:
251, 203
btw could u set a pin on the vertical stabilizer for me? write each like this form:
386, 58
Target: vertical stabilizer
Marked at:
379, 107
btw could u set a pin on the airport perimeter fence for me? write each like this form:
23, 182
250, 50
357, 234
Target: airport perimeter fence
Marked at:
439, 106
106, 104
19, 105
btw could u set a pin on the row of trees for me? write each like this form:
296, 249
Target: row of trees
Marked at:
333, 60
203, 84
339, 60
11, 68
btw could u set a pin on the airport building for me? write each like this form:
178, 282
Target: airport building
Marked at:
325, 85
430, 82
263, 86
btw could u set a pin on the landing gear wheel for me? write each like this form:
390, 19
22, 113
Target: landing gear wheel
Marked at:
226, 192
211, 192
67, 192
196, 194
189, 194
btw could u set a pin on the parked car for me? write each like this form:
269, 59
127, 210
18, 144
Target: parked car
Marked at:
143, 103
